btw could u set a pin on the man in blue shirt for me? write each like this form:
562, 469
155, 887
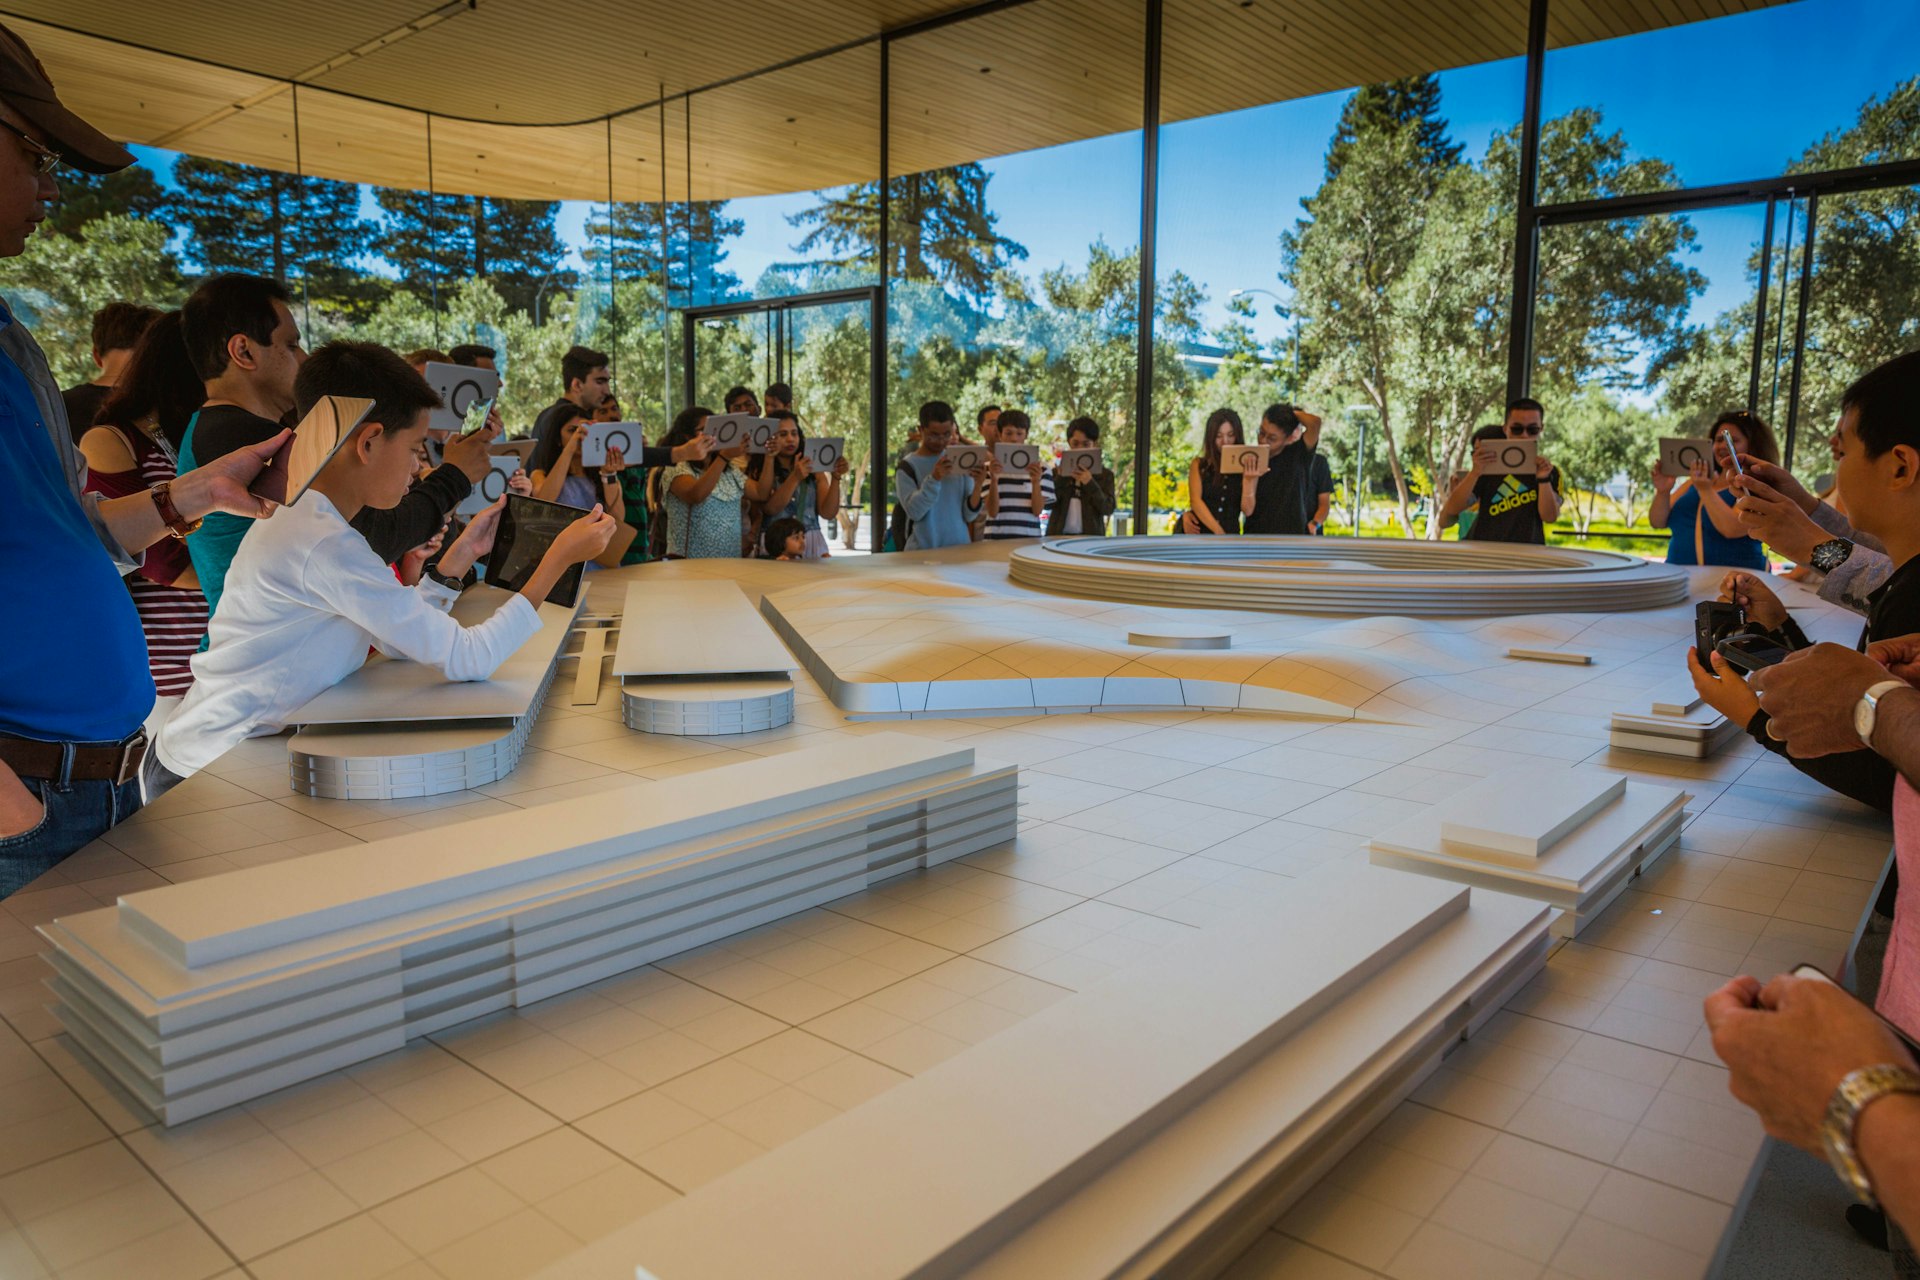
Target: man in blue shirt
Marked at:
939, 502
74, 684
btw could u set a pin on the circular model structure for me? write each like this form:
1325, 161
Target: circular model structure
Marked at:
707, 708
1172, 635
1348, 575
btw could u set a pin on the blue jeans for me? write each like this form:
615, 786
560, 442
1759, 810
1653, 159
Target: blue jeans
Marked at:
75, 814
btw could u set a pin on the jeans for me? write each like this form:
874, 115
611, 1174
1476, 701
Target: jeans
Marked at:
75, 814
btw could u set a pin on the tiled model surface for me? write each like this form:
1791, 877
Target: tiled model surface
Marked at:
1584, 1132
198, 996
1573, 838
697, 660
397, 729
1097, 1151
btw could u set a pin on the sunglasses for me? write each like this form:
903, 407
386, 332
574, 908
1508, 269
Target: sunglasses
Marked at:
1523, 430
45, 159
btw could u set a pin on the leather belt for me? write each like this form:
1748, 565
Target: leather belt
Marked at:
115, 762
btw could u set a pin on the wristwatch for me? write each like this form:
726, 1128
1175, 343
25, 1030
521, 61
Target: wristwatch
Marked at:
1866, 712
1830, 555
1850, 1098
170, 515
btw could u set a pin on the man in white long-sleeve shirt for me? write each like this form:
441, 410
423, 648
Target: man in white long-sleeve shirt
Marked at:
305, 599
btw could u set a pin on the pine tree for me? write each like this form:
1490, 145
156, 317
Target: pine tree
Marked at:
696, 236
438, 240
85, 196
940, 229
239, 217
1412, 102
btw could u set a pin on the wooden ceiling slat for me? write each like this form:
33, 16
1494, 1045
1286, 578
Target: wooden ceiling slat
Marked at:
1062, 70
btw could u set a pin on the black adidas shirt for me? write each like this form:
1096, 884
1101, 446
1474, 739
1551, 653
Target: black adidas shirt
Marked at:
1510, 509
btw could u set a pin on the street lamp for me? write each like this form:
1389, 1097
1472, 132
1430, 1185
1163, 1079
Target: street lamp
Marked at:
1359, 461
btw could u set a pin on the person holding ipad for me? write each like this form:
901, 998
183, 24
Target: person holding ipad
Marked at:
1216, 503
703, 499
1699, 510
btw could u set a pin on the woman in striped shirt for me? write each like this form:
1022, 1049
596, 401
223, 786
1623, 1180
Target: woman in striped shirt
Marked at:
133, 445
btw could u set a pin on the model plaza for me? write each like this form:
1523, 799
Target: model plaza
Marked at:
901, 773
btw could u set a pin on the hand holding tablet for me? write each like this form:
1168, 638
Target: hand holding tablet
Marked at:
627, 437
306, 453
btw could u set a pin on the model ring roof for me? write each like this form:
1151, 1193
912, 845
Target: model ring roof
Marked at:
1347, 575
647, 100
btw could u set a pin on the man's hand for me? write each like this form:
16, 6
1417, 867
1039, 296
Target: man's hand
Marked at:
1485, 456
470, 453
1900, 656
475, 540
1035, 470
1781, 481
1728, 694
1787, 1045
221, 485
1810, 696
585, 538
414, 562
20, 812
1541, 468
1755, 597
1662, 482
1776, 519
694, 450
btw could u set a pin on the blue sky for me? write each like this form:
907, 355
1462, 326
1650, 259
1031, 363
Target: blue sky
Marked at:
1723, 100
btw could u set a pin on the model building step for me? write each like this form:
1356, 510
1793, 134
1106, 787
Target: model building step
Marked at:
200, 995
694, 628
1527, 811
1095, 1150
707, 706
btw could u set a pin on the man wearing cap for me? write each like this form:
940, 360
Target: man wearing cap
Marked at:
74, 685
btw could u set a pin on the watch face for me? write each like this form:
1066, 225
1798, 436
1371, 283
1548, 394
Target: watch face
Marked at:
1829, 556
1863, 719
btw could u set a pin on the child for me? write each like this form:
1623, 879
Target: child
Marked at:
308, 595
786, 539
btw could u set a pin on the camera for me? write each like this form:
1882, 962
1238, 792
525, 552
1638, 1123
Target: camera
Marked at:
1714, 621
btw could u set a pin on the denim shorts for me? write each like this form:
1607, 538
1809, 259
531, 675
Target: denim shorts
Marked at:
75, 814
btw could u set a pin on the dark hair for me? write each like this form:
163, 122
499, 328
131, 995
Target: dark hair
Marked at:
1886, 405
158, 380
686, 425
1280, 415
579, 363
223, 306
1493, 431
546, 451
781, 464
427, 355
1085, 426
369, 370
773, 539
780, 391
118, 326
734, 393
1015, 420
980, 418
1526, 404
1761, 442
935, 411
1210, 446
469, 353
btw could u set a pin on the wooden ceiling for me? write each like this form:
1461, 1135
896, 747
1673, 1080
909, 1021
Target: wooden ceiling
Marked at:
548, 99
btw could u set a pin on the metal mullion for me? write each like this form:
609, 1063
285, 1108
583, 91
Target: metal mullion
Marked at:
1800, 325
1526, 223
1760, 315
1149, 236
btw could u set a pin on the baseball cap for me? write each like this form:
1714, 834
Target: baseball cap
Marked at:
25, 86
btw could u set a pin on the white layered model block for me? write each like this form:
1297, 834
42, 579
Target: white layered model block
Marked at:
397, 729
1571, 838
201, 995
1146, 1126
1679, 724
696, 659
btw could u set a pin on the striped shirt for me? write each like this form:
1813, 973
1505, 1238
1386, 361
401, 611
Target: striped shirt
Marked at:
173, 618
1017, 518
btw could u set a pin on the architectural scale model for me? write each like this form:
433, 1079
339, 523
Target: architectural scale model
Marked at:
696, 660
1071, 1145
198, 996
1572, 838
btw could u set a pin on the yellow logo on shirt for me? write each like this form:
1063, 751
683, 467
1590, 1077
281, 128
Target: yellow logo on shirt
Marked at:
1513, 492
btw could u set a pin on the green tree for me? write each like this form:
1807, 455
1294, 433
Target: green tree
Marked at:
240, 217
629, 236
1411, 103
435, 240
60, 281
1597, 437
940, 228
85, 196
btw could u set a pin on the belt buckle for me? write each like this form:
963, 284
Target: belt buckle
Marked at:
132, 751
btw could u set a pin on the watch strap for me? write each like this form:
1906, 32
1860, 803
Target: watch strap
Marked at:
170, 515
1867, 715
1850, 1097
1831, 554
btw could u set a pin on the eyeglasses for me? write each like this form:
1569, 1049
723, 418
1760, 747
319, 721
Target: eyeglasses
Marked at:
1524, 429
45, 159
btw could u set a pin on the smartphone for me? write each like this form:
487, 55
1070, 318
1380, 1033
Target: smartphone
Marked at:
1713, 621
1750, 653
477, 415
1732, 452
1817, 974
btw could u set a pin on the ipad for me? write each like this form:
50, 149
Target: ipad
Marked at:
733, 430
313, 444
521, 449
459, 389
1081, 464
1016, 457
825, 451
491, 486
1238, 459
627, 437
966, 457
1679, 453
1513, 457
527, 528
